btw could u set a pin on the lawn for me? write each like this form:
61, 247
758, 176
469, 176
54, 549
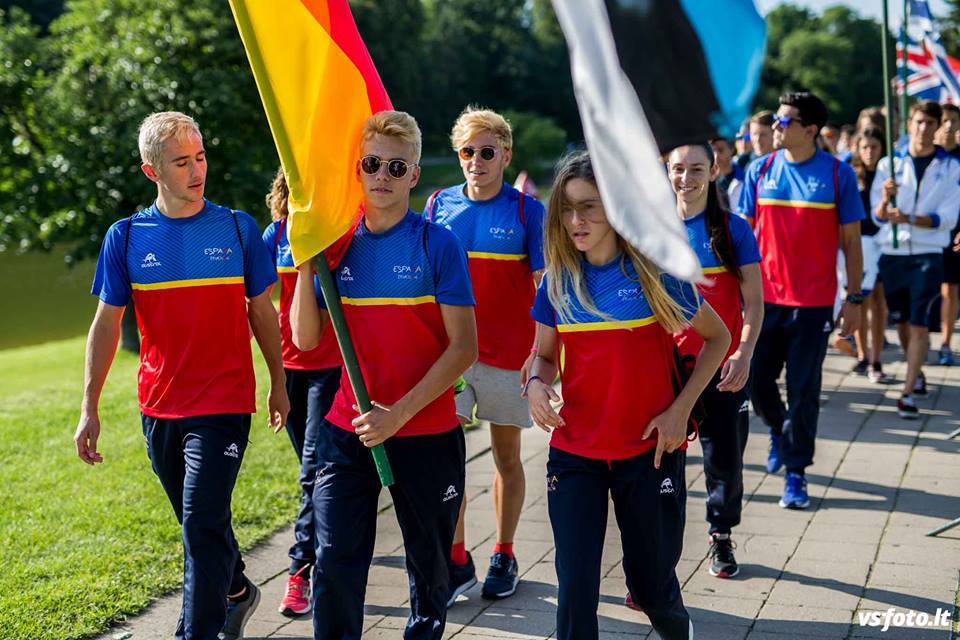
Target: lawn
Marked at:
81, 547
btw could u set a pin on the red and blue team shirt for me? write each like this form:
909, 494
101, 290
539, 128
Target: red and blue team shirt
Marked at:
391, 285
503, 237
722, 289
325, 355
617, 372
796, 209
189, 279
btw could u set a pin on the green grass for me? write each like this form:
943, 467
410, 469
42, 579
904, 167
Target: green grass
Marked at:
44, 299
81, 547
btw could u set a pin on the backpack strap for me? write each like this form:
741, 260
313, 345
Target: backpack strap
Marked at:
520, 207
280, 230
431, 205
836, 186
126, 249
243, 251
756, 194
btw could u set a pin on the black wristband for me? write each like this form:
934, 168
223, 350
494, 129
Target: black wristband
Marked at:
854, 298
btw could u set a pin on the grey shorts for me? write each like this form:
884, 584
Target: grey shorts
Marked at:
496, 394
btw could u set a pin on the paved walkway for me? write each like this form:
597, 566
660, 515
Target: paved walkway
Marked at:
879, 483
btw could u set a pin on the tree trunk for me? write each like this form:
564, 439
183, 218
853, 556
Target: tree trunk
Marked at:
129, 336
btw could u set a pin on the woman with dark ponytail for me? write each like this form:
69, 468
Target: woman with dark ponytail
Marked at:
730, 258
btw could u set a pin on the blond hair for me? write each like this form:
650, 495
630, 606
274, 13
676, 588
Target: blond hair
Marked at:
475, 120
278, 196
159, 127
394, 124
564, 261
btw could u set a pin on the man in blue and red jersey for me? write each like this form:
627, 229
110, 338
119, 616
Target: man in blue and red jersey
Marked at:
926, 177
199, 278
405, 289
803, 203
313, 378
502, 231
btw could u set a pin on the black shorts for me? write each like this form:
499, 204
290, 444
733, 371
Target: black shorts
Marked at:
911, 285
951, 265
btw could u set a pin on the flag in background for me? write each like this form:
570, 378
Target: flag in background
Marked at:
650, 76
931, 73
318, 86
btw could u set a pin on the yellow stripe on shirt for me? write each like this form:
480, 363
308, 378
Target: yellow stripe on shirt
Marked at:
180, 284
605, 326
709, 270
286, 269
486, 255
373, 302
796, 203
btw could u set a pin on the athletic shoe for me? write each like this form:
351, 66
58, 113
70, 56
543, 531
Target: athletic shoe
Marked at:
907, 408
773, 457
877, 376
920, 386
846, 345
795, 492
722, 562
946, 356
860, 369
502, 577
238, 614
462, 577
297, 601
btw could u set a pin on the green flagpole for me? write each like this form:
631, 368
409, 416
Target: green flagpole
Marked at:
350, 362
903, 71
885, 34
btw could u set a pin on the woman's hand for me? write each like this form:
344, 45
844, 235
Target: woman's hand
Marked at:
671, 426
539, 394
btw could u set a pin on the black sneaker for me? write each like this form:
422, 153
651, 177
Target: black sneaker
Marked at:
238, 614
722, 562
860, 369
462, 577
502, 577
920, 386
907, 408
877, 376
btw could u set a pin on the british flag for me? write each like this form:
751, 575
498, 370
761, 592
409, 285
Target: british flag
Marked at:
931, 73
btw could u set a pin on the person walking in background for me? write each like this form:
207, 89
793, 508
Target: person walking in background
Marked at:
609, 307
803, 203
950, 289
313, 378
196, 384
761, 138
728, 253
502, 232
927, 179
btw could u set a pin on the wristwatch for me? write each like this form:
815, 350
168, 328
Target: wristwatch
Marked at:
854, 298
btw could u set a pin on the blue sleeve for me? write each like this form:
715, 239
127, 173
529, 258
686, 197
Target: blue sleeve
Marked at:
111, 282
319, 292
270, 240
542, 311
448, 260
745, 247
748, 194
259, 271
534, 214
683, 294
849, 202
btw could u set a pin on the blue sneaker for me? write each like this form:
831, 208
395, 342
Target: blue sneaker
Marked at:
795, 492
946, 356
773, 457
502, 577
462, 578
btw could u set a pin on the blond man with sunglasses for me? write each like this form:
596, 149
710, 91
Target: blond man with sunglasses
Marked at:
407, 300
502, 231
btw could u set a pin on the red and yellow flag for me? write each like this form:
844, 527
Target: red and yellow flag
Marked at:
318, 85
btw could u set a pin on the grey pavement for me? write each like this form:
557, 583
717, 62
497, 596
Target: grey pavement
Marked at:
878, 485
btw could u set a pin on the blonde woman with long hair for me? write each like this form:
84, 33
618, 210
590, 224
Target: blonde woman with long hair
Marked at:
623, 428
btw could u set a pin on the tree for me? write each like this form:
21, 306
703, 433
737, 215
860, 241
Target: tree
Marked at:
834, 55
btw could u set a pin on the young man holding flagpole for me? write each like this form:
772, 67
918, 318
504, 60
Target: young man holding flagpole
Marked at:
502, 231
405, 289
200, 277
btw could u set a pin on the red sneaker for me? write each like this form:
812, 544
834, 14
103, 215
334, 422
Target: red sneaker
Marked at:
297, 601
631, 604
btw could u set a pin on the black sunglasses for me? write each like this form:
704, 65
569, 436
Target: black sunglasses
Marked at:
467, 153
396, 168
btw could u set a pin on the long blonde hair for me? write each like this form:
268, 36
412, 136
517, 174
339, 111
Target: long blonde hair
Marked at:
564, 262
277, 198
